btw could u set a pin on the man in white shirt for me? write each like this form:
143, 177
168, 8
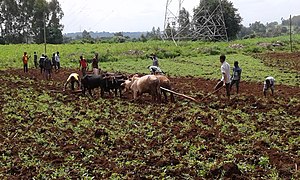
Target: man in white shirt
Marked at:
269, 83
155, 70
57, 59
225, 80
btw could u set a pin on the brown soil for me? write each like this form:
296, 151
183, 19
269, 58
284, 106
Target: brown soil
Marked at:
250, 96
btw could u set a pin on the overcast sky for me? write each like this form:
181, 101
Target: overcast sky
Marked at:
142, 15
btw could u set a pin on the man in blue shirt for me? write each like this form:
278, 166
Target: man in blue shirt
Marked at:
236, 77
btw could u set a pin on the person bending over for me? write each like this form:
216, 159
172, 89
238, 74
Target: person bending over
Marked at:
73, 78
269, 83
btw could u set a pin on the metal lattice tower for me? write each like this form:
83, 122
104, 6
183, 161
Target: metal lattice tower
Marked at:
205, 25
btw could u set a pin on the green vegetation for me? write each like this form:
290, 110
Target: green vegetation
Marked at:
52, 135
199, 59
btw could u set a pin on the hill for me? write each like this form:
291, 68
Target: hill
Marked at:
105, 34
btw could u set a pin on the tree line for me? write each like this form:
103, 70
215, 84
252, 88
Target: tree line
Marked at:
271, 29
25, 21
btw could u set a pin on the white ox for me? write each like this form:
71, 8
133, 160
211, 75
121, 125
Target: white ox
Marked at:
145, 84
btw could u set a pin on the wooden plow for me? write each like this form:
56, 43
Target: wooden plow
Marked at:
179, 94
191, 98
67, 91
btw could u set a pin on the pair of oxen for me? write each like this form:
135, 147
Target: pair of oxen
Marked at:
137, 85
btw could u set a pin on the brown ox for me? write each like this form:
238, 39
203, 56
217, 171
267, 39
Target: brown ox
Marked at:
145, 84
165, 83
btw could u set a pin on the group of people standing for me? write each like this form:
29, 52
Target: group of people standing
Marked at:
228, 81
44, 63
83, 65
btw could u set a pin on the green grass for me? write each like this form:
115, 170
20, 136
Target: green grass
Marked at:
199, 59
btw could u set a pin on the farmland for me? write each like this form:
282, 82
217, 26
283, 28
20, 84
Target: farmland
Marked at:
49, 134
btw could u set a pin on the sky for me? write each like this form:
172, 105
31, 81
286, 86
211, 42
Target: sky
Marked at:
143, 15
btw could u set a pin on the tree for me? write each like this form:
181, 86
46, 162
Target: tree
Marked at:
258, 28
169, 31
273, 29
40, 18
143, 38
24, 21
184, 22
10, 26
231, 17
86, 35
119, 37
158, 33
55, 28
295, 21
245, 32
54, 36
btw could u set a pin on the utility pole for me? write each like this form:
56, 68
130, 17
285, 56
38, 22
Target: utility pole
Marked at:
291, 42
45, 41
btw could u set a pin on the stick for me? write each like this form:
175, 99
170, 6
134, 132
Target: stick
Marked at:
60, 91
182, 95
212, 93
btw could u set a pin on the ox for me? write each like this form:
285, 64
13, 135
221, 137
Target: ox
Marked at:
145, 84
165, 83
106, 84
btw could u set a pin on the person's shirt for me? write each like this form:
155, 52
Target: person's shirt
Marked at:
237, 71
155, 61
35, 57
57, 58
95, 63
53, 59
73, 75
83, 63
155, 69
271, 79
225, 68
47, 63
25, 59
41, 62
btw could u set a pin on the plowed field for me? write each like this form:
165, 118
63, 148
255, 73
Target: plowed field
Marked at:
46, 133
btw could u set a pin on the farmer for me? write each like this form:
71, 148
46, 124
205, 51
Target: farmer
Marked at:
57, 59
73, 78
154, 60
53, 61
95, 65
25, 62
83, 65
269, 83
35, 60
47, 67
41, 63
225, 80
236, 77
155, 70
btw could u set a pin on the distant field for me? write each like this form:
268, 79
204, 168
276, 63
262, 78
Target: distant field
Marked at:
199, 59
